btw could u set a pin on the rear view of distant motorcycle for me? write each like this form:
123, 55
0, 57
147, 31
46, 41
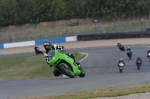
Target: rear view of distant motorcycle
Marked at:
139, 62
129, 52
120, 46
121, 65
148, 54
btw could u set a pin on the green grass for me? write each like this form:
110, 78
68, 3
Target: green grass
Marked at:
27, 67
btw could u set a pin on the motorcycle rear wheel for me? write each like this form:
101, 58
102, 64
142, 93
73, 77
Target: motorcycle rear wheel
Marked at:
120, 70
138, 67
65, 71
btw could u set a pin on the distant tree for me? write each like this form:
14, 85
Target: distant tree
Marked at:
16, 12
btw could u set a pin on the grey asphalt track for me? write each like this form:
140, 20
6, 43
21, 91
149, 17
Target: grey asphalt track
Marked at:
101, 72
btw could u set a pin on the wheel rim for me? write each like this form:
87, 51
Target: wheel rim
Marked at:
68, 70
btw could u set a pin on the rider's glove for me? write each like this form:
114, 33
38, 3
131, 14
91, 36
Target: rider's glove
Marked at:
47, 60
46, 57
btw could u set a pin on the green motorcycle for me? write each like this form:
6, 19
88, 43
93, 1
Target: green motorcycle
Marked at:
64, 64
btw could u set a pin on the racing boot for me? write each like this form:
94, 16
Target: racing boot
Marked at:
56, 73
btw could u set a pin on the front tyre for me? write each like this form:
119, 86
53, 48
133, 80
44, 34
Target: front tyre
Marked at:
64, 68
82, 73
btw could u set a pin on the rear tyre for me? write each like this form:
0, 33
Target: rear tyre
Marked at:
56, 73
120, 70
66, 70
129, 56
123, 49
138, 67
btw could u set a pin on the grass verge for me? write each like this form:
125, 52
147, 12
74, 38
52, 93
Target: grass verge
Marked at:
106, 92
27, 67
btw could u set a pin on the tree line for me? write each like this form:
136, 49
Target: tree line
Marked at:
17, 12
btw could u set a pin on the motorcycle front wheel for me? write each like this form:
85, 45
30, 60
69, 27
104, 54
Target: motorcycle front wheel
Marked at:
82, 73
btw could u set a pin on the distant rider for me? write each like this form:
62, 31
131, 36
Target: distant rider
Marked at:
148, 52
119, 44
129, 49
121, 60
138, 59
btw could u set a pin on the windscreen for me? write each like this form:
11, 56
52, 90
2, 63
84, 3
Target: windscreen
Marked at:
51, 53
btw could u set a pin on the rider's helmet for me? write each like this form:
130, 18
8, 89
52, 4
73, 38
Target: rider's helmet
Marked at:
139, 57
35, 47
128, 48
118, 44
47, 45
121, 59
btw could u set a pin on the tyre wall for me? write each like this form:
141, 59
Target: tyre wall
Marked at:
38, 42
113, 36
86, 37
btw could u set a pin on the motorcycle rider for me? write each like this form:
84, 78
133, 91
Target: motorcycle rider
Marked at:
138, 59
129, 49
55, 46
50, 48
118, 44
121, 60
